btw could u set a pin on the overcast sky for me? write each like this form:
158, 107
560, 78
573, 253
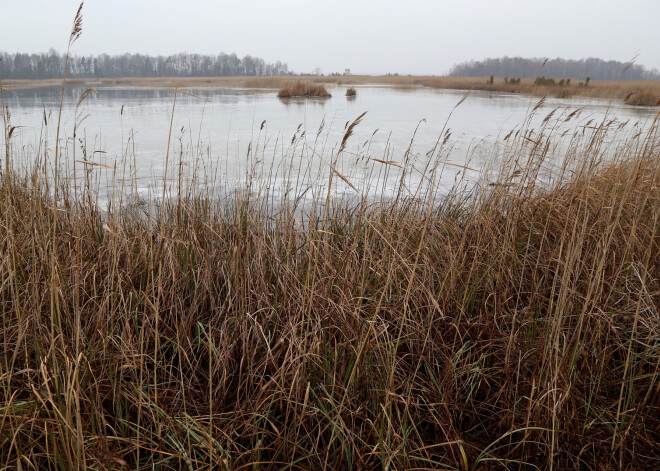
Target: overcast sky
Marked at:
367, 36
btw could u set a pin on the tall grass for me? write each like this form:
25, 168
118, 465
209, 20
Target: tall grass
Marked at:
302, 88
513, 325
643, 96
511, 322
633, 92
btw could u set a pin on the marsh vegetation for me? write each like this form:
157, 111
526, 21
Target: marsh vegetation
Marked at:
303, 88
510, 321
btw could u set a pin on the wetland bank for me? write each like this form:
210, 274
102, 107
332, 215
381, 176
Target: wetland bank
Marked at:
470, 317
450, 281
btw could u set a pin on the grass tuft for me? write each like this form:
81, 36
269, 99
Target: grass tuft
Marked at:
302, 88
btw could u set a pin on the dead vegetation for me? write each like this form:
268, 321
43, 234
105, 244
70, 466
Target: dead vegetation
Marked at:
302, 88
642, 92
643, 97
515, 322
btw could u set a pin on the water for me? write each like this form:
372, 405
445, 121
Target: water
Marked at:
129, 127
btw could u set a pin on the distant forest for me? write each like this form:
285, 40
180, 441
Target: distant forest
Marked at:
51, 65
596, 69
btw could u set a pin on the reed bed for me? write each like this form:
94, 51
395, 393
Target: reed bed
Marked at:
351, 92
633, 92
643, 96
510, 324
303, 88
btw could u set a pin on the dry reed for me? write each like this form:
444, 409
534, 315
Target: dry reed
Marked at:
512, 326
302, 88
517, 323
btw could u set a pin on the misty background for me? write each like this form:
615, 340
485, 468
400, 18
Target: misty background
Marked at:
421, 37
51, 65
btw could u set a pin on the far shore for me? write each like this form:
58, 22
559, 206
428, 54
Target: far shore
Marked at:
636, 92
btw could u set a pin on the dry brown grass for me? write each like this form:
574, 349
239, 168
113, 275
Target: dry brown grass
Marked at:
643, 96
303, 88
517, 323
351, 92
514, 325
649, 91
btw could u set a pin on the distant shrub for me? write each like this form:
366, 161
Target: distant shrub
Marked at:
351, 92
549, 82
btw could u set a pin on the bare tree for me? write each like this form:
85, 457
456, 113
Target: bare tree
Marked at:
51, 65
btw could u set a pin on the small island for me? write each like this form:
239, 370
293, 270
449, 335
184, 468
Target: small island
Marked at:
303, 89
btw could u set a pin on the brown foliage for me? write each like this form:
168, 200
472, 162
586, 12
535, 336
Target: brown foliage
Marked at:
517, 322
303, 89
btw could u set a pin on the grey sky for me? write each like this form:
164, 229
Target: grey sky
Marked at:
367, 36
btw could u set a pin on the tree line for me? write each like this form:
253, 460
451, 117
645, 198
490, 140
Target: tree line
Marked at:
596, 69
51, 65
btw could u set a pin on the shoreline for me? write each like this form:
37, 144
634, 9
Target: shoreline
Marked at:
633, 92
